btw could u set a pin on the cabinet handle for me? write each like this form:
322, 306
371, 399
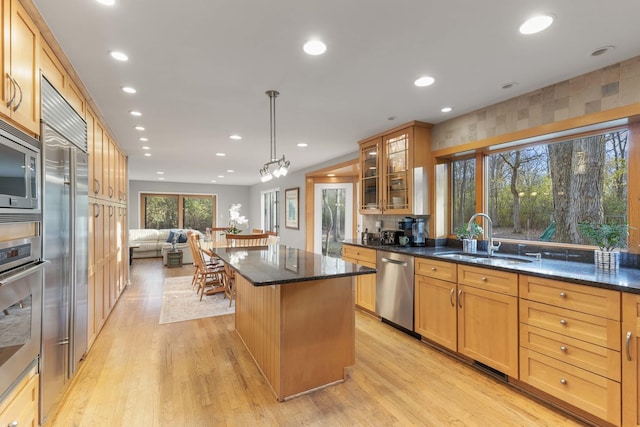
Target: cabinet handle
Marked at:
563, 349
110, 211
460, 298
14, 90
563, 381
563, 294
451, 294
13, 424
563, 322
96, 186
111, 192
19, 102
628, 345
97, 210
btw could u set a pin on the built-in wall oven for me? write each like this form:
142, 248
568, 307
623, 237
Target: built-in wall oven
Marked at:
21, 270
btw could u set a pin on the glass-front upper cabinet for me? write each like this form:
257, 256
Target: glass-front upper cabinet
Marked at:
370, 173
396, 173
394, 168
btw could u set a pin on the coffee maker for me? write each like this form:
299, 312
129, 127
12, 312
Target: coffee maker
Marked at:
418, 233
405, 225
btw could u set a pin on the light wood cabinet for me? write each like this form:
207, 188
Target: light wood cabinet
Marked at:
20, 407
631, 360
366, 284
20, 67
488, 317
394, 171
570, 342
435, 311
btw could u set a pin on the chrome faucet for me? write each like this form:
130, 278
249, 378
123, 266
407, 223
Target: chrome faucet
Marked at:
490, 247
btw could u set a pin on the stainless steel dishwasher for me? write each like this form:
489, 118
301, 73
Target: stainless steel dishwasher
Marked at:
394, 288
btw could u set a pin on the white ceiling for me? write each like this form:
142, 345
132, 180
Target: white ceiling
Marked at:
201, 68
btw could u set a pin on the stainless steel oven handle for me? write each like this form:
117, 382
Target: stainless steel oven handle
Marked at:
393, 261
22, 274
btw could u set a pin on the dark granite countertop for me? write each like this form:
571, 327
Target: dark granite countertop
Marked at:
626, 279
279, 265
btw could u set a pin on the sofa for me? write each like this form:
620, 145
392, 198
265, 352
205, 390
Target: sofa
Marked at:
152, 243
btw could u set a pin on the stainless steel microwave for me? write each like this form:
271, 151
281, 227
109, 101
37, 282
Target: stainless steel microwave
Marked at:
19, 169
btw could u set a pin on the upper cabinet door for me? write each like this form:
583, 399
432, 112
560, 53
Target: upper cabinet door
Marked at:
397, 172
370, 176
21, 61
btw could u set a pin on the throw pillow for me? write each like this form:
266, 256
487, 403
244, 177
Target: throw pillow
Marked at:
182, 237
170, 238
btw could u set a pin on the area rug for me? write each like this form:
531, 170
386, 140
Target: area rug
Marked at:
180, 302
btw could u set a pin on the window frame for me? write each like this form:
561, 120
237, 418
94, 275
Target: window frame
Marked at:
482, 152
181, 197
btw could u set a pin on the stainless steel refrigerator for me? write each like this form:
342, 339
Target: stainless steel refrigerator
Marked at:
65, 244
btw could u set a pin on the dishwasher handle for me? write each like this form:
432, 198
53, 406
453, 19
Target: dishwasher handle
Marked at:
394, 261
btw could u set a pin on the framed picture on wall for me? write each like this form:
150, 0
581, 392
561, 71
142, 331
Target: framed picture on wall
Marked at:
292, 201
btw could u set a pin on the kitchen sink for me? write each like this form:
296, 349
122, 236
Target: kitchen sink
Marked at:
482, 258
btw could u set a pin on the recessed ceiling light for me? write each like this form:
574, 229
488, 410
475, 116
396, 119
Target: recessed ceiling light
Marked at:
302, 144
446, 109
392, 118
140, 128
143, 139
314, 47
536, 24
602, 50
135, 113
147, 154
220, 154
235, 137
146, 148
107, 2
230, 170
213, 180
424, 81
509, 85
117, 55
220, 176
161, 178
128, 89
160, 173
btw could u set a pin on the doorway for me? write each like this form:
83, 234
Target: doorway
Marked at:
333, 214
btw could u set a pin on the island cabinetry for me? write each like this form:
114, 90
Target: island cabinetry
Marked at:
20, 89
488, 317
436, 301
365, 285
631, 360
20, 407
394, 170
570, 344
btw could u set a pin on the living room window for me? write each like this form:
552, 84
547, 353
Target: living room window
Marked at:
162, 211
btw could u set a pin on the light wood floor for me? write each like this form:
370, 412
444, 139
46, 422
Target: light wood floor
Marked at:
197, 373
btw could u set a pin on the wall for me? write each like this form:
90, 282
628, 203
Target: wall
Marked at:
615, 86
227, 195
288, 236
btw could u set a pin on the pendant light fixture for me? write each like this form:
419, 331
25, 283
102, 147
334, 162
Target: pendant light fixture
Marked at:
281, 167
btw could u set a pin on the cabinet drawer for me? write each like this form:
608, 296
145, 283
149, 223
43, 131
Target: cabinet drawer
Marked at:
359, 253
489, 279
594, 358
585, 327
587, 299
437, 269
595, 394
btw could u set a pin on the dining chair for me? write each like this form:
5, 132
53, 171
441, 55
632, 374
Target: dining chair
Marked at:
242, 240
229, 283
207, 277
257, 231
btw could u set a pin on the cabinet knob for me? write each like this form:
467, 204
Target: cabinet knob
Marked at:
563, 349
433, 269
484, 279
13, 424
563, 322
563, 381
563, 294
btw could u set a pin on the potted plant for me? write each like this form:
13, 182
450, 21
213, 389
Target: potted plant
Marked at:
469, 236
609, 238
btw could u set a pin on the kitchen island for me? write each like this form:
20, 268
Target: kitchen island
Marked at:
295, 315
